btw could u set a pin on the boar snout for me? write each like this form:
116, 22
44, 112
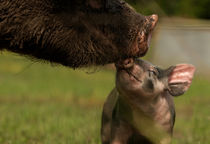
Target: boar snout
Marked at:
125, 64
74, 33
145, 35
153, 19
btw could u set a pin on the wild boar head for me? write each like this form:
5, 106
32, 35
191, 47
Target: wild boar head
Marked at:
75, 33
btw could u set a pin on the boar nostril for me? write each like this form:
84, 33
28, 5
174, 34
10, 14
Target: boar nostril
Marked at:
154, 17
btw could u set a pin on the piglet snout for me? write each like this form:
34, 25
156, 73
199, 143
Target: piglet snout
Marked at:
125, 64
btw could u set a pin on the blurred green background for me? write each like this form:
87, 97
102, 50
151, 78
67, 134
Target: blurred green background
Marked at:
183, 8
44, 104
41, 103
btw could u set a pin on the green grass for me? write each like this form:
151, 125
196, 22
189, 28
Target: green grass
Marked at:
45, 104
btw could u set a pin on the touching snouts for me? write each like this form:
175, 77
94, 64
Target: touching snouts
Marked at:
125, 64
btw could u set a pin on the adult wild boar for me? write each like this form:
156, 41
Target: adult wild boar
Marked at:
74, 33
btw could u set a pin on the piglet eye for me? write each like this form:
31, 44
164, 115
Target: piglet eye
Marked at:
153, 72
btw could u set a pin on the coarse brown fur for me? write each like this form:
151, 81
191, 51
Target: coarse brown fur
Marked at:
74, 33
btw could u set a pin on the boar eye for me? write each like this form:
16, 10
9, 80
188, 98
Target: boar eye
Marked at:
114, 6
94, 4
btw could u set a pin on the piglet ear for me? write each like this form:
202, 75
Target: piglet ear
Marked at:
180, 79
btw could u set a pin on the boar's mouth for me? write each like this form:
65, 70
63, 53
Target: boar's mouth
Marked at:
142, 41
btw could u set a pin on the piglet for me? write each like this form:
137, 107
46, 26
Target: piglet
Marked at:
140, 109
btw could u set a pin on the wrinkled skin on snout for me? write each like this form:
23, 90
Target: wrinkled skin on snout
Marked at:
74, 33
140, 110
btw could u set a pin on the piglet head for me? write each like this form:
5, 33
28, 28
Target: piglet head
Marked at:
180, 79
142, 79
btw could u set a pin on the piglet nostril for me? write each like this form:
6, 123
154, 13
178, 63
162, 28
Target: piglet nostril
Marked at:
128, 63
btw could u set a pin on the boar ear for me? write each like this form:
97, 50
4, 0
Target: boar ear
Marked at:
180, 79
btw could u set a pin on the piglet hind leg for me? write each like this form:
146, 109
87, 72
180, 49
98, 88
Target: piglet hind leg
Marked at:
124, 133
